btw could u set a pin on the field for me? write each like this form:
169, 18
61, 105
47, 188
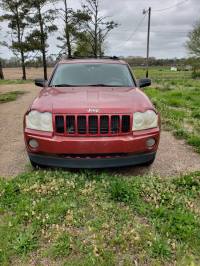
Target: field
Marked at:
177, 97
109, 217
13, 75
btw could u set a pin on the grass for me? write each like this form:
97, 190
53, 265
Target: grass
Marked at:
14, 81
91, 218
10, 96
177, 97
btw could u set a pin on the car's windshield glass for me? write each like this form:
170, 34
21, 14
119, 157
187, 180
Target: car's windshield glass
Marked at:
96, 74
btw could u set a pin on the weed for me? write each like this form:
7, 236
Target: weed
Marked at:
160, 249
10, 96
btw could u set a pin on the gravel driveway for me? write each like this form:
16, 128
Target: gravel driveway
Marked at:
174, 156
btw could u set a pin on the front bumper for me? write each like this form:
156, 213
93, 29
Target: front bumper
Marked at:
52, 144
82, 152
55, 161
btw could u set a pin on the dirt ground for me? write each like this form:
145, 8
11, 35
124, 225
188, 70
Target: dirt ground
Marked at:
174, 156
32, 73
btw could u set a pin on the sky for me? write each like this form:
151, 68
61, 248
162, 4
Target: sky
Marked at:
171, 20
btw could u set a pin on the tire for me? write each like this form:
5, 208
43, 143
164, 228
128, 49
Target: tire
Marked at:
149, 163
37, 166
34, 165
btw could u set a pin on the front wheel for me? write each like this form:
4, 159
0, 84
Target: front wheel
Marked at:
149, 163
36, 166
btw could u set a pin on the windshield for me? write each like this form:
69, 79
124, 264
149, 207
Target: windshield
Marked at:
109, 75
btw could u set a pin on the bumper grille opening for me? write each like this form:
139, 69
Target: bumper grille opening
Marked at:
91, 156
89, 125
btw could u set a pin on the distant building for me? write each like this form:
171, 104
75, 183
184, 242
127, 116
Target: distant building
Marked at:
188, 68
174, 69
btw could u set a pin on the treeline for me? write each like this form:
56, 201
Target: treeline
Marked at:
141, 61
30, 23
133, 62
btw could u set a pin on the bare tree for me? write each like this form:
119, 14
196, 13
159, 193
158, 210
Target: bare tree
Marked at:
98, 27
74, 22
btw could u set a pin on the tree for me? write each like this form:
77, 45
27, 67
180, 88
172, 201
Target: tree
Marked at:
1, 67
1, 71
98, 28
42, 21
73, 24
193, 44
83, 45
17, 11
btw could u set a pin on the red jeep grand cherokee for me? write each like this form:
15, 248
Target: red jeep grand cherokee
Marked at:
91, 114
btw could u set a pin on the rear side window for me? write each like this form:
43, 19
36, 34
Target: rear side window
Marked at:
117, 75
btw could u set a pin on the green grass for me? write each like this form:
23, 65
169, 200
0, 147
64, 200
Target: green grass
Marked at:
14, 81
10, 96
162, 73
91, 218
177, 97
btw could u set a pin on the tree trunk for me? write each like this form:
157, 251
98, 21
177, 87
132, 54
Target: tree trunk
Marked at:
23, 66
95, 32
1, 71
67, 35
100, 43
43, 44
21, 47
44, 63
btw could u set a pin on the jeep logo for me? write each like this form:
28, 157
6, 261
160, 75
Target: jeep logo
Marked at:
93, 110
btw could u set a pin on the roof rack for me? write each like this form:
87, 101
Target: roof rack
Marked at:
91, 57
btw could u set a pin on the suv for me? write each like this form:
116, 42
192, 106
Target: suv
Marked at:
91, 114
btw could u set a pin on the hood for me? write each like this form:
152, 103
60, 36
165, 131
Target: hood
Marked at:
83, 99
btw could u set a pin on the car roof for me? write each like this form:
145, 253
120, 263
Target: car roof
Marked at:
93, 60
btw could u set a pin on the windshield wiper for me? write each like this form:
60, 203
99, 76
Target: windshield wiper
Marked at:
100, 85
89, 85
62, 85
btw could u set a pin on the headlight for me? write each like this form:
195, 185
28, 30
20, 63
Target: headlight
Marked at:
146, 120
39, 121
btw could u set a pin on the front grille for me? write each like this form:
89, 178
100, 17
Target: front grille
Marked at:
92, 125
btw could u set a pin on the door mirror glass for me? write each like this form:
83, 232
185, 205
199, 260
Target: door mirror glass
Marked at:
40, 82
144, 83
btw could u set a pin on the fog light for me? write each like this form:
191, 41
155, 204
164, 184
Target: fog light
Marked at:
150, 142
33, 144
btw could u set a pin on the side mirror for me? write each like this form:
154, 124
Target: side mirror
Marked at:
144, 83
40, 82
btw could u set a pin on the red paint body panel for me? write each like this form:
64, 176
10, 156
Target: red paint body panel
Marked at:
92, 145
77, 101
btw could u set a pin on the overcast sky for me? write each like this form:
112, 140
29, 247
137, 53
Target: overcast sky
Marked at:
170, 24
